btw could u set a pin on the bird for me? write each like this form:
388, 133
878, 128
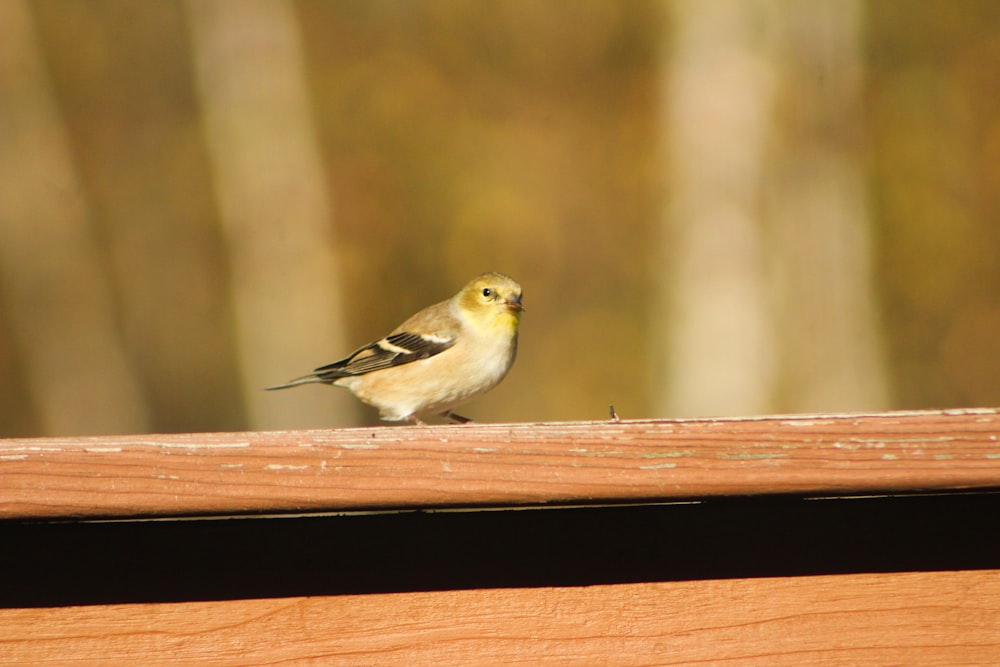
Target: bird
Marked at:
439, 358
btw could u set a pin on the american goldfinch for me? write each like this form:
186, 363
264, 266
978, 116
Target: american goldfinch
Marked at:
441, 357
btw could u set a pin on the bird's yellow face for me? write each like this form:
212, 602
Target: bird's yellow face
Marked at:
496, 300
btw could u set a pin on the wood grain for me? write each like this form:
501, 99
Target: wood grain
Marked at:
942, 618
496, 464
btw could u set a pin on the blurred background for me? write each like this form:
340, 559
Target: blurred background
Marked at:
715, 207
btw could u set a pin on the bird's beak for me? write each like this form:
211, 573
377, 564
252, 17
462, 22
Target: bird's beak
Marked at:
513, 304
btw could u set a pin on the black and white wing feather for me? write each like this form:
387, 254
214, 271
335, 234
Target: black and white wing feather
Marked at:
394, 350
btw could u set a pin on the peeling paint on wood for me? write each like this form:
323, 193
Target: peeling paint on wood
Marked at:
497, 465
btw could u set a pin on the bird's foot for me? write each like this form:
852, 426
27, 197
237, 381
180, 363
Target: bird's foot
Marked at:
459, 419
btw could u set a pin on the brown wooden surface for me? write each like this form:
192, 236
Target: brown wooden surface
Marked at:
496, 464
643, 606
941, 618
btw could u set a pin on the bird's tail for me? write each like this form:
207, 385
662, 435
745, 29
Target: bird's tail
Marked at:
305, 379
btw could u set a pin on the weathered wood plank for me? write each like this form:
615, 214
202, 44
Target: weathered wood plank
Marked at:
941, 618
496, 464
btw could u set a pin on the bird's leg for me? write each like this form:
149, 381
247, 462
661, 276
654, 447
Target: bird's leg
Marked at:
417, 421
459, 419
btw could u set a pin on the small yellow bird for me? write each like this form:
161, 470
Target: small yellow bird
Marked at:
443, 356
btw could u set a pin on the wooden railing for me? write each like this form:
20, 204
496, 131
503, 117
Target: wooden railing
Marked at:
805, 540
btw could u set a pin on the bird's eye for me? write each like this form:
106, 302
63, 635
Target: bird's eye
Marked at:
487, 292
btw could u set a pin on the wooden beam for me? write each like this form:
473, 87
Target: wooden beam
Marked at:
939, 618
497, 464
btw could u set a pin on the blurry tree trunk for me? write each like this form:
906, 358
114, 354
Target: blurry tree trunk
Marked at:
718, 339
55, 285
275, 212
122, 73
816, 207
769, 299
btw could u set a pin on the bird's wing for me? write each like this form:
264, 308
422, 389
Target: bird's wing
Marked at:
394, 350
431, 331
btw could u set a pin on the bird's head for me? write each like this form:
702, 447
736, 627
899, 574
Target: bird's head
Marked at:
493, 300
